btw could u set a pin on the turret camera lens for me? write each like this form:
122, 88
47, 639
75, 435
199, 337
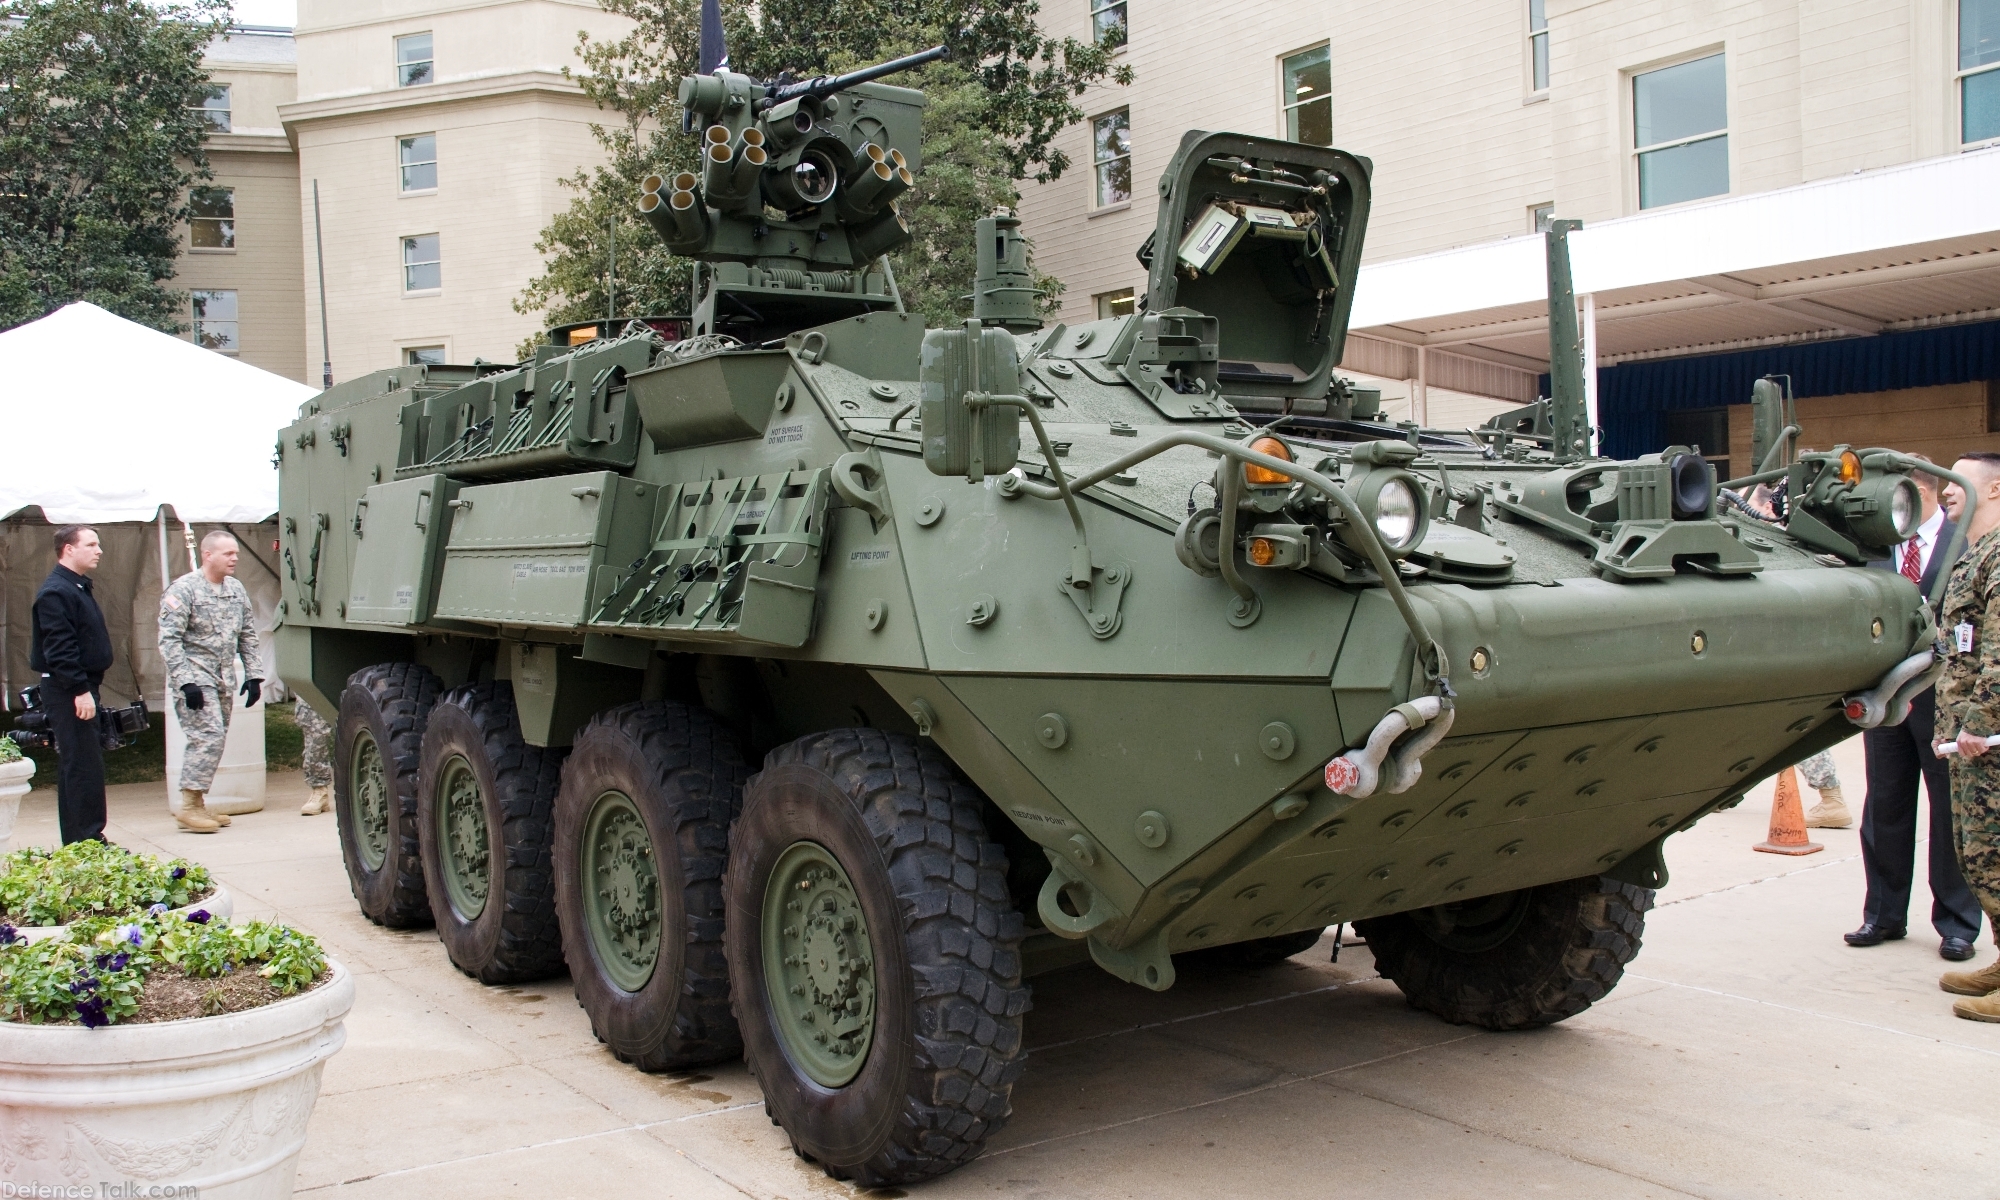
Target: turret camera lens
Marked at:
813, 179
1396, 513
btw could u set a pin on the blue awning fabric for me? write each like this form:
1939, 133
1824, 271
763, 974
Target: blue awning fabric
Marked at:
1631, 397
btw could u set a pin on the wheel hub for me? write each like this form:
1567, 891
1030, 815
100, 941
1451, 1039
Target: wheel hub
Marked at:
368, 789
463, 846
819, 965
1473, 926
621, 890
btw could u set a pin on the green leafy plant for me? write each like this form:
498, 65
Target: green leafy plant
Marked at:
94, 979
39, 886
9, 752
96, 973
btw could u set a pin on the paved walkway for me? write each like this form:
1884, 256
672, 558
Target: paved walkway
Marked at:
1748, 1053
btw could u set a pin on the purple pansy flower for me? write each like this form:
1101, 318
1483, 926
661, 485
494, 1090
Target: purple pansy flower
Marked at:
91, 1013
156, 910
199, 916
131, 933
8, 934
179, 873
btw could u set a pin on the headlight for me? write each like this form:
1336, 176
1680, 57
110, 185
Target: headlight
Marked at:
1903, 511
1396, 514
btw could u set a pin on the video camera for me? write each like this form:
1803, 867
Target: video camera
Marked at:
115, 726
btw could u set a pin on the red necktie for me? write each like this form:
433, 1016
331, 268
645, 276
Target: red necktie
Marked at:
1913, 563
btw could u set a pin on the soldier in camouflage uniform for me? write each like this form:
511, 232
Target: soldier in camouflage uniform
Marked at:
1968, 711
206, 623
318, 758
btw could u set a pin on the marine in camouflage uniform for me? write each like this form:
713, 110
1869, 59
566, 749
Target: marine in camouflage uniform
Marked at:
1968, 701
318, 757
204, 628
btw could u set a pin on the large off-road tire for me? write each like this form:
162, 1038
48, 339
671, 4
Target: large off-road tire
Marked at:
376, 747
484, 801
1517, 960
874, 956
642, 836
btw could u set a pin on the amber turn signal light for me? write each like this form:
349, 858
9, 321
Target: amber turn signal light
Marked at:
1850, 467
1257, 476
1262, 552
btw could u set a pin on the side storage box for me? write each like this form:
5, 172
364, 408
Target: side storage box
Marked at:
400, 527
528, 551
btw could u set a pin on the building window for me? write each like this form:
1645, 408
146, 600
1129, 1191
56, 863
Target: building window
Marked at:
421, 270
1539, 216
212, 218
413, 60
1978, 78
215, 321
424, 356
1111, 153
1538, 43
1114, 304
214, 107
1107, 22
1309, 97
1680, 123
419, 158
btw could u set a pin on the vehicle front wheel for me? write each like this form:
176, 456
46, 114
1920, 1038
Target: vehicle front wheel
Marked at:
874, 956
1516, 960
483, 810
642, 834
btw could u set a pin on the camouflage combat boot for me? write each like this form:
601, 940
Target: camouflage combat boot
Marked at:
194, 815
1983, 982
320, 801
1831, 811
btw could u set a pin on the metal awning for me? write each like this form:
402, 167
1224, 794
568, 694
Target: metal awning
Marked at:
1898, 248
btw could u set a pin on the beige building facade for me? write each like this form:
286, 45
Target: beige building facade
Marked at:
240, 259
1482, 117
437, 133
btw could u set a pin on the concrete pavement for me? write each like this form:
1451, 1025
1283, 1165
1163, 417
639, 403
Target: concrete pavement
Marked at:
1747, 1053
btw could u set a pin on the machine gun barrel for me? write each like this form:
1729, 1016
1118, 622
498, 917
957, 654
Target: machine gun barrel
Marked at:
822, 86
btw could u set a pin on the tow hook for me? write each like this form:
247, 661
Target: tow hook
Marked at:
1359, 772
1888, 702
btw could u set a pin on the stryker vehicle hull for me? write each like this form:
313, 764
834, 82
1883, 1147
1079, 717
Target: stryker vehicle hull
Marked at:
1021, 698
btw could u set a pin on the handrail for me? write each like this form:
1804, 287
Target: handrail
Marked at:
1378, 557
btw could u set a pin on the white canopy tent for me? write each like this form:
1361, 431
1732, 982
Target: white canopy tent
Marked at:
149, 439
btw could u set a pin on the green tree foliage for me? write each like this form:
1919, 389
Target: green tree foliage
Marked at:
995, 108
100, 141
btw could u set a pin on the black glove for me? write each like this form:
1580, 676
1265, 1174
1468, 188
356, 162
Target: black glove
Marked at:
253, 691
192, 693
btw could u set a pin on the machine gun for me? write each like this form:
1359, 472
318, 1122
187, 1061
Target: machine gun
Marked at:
822, 86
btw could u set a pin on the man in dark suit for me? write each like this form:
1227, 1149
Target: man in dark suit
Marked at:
1897, 756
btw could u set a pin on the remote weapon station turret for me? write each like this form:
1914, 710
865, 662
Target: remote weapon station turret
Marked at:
808, 683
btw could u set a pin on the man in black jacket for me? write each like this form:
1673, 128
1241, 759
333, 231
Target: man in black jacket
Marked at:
1898, 756
72, 650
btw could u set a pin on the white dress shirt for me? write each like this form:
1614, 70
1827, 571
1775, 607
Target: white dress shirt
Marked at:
1926, 540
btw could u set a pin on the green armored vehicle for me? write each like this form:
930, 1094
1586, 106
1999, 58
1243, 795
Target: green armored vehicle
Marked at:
807, 683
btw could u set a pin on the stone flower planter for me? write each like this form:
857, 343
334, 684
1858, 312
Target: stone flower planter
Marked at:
220, 907
14, 778
217, 1102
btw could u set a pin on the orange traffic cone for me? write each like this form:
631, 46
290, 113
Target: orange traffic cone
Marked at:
1788, 820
